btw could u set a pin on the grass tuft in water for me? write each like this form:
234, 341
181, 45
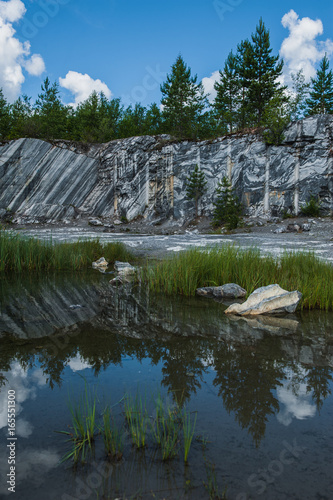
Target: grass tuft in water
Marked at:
18, 253
211, 484
82, 436
196, 268
137, 419
112, 437
188, 432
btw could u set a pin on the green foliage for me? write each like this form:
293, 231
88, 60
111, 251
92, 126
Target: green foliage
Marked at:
21, 254
261, 71
4, 116
183, 101
311, 207
50, 114
187, 271
275, 120
321, 95
300, 90
196, 186
228, 97
227, 209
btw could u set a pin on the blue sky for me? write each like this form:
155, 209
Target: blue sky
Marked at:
126, 47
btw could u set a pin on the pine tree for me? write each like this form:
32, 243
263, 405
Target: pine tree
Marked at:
20, 113
183, 100
227, 208
321, 95
196, 187
228, 98
50, 113
153, 120
4, 117
261, 73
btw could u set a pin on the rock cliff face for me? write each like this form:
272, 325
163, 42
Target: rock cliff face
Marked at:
147, 175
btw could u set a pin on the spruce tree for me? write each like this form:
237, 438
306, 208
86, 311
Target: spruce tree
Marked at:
227, 208
321, 94
228, 98
196, 187
261, 74
183, 101
241, 58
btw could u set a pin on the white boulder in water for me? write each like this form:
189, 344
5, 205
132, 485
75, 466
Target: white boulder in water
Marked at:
270, 299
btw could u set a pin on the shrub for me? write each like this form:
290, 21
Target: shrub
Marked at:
311, 207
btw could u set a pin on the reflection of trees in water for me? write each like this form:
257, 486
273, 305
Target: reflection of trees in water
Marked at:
318, 379
183, 368
246, 382
246, 376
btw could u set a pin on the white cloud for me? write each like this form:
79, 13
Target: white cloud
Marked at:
208, 85
35, 65
12, 11
81, 86
14, 55
301, 49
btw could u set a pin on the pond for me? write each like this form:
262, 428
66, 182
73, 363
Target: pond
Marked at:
260, 391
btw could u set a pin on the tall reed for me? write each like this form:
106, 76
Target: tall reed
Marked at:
195, 268
18, 253
188, 432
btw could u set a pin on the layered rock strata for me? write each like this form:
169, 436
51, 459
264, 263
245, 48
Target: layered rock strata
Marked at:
146, 176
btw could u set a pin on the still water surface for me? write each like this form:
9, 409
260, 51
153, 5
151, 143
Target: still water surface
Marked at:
261, 389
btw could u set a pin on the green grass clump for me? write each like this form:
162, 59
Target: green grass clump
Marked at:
112, 437
82, 435
188, 432
195, 268
18, 253
137, 419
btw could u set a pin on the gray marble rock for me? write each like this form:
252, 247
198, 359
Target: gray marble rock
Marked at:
227, 291
146, 176
271, 299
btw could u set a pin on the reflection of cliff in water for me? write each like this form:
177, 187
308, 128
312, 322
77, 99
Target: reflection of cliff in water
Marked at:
251, 359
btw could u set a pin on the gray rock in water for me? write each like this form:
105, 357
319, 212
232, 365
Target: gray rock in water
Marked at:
227, 291
270, 299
